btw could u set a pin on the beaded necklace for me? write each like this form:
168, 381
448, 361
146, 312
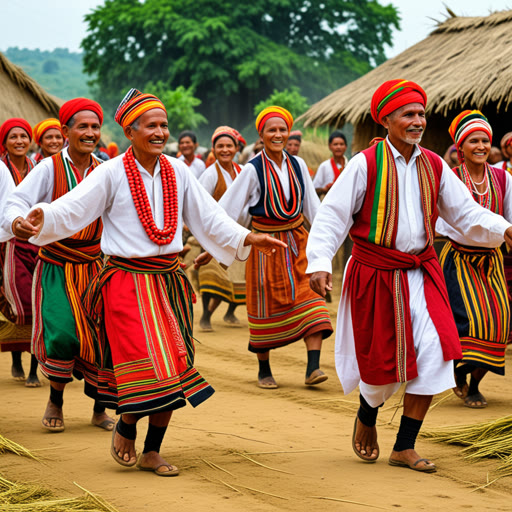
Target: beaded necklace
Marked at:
485, 199
165, 235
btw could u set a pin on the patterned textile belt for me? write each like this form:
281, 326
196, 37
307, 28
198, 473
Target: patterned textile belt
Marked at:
71, 251
472, 250
153, 265
267, 225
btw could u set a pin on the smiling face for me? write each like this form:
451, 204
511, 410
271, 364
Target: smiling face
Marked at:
224, 150
150, 133
85, 132
406, 124
17, 142
476, 148
187, 147
51, 142
275, 135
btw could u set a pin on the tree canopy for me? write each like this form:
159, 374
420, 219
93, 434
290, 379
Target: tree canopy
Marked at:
233, 54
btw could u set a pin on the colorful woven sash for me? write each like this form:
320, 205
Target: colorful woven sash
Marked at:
156, 280
76, 259
493, 199
335, 170
275, 203
384, 213
15, 173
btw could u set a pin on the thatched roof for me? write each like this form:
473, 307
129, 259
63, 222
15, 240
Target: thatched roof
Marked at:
22, 96
464, 63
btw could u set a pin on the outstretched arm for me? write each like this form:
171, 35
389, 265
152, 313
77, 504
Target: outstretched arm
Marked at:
264, 243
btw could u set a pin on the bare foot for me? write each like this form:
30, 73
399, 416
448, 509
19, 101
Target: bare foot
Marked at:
205, 324
125, 449
365, 442
412, 459
153, 461
231, 319
33, 382
18, 373
103, 420
53, 418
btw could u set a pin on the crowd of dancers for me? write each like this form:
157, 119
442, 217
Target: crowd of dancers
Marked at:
98, 249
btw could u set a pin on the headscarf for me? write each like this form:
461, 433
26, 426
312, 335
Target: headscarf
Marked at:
467, 122
274, 111
392, 95
239, 138
506, 140
225, 131
71, 107
133, 105
295, 135
7, 126
112, 150
47, 124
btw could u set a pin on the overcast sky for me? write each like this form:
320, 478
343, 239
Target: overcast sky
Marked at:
51, 24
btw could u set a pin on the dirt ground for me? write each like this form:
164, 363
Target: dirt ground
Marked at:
257, 450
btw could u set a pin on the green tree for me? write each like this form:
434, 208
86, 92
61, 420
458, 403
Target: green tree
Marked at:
180, 105
290, 99
234, 53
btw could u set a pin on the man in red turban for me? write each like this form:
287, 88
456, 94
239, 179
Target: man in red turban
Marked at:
395, 324
62, 341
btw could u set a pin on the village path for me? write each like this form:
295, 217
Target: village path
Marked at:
299, 440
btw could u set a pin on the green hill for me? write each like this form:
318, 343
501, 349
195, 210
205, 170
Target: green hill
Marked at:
59, 71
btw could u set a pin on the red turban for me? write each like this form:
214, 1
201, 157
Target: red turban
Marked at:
7, 126
394, 94
240, 138
71, 107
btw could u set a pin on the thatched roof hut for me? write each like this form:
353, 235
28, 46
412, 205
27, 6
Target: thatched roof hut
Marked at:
22, 96
464, 63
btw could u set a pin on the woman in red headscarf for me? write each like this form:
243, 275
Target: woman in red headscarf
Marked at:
275, 189
475, 275
48, 136
215, 283
18, 259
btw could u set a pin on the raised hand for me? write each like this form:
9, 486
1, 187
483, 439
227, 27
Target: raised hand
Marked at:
25, 228
321, 283
264, 243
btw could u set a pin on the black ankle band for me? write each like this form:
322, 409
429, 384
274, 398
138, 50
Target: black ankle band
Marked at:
367, 414
313, 361
98, 407
154, 438
56, 397
264, 368
127, 430
407, 434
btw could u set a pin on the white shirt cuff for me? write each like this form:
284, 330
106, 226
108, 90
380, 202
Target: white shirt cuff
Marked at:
319, 265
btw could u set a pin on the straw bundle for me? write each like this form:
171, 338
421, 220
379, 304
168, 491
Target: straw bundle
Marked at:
482, 440
18, 497
8, 446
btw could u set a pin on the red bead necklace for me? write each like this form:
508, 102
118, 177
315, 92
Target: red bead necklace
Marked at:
140, 199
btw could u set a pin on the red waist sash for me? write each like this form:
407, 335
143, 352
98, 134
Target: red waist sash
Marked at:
378, 288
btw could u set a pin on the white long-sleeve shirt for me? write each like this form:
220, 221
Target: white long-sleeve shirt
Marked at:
325, 174
444, 229
245, 191
335, 218
197, 166
105, 192
210, 177
7, 186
